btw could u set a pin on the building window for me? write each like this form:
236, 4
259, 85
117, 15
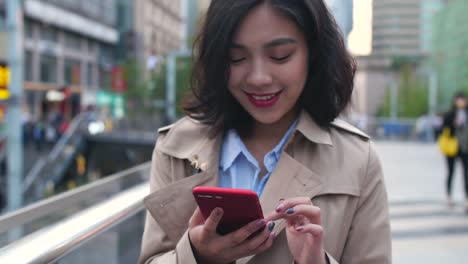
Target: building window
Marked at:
48, 69
105, 77
49, 34
72, 72
91, 46
89, 74
28, 66
28, 29
73, 41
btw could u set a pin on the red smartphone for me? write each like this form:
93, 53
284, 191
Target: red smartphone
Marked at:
240, 206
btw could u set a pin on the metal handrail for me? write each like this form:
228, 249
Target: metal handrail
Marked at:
63, 201
52, 243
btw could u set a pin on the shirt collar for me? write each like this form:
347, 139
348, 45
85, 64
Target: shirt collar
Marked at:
232, 147
278, 148
188, 138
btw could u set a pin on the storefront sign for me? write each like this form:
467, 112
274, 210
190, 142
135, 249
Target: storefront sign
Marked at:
4, 82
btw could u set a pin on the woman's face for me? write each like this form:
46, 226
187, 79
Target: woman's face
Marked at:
460, 102
268, 65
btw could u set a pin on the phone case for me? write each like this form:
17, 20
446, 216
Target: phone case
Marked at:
240, 206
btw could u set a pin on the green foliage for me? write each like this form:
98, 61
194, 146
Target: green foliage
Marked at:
143, 94
412, 95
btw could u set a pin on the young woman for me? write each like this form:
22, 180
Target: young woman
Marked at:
270, 79
456, 121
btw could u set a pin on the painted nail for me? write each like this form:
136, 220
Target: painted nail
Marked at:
218, 212
290, 211
271, 225
279, 208
260, 223
272, 235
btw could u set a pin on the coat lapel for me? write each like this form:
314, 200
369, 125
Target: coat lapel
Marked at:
173, 205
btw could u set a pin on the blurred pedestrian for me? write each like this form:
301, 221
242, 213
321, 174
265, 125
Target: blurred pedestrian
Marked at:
270, 79
456, 122
38, 134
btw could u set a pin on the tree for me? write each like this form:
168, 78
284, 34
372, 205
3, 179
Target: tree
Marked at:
412, 93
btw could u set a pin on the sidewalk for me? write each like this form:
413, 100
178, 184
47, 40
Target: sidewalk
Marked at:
424, 229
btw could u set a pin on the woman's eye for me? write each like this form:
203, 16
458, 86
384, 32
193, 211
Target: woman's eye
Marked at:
281, 59
236, 60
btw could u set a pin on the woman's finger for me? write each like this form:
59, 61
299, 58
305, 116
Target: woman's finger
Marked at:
250, 245
239, 236
309, 211
313, 229
196, 219
211, 223
266, 244
291, 202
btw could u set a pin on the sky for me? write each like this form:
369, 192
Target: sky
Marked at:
360, 38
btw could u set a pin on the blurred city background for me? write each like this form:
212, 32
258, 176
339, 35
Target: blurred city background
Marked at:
84, 85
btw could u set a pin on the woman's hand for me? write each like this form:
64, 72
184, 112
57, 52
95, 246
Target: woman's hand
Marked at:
210, 247
304, 230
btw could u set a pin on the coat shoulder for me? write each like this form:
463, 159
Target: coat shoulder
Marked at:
182, 137
344, 126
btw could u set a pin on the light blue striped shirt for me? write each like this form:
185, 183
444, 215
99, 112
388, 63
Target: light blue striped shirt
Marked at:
239, 169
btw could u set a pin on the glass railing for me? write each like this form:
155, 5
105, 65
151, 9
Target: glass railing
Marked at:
106, 226
25, 221
119, 245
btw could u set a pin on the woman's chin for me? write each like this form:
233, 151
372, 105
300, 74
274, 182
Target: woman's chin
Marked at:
266, 118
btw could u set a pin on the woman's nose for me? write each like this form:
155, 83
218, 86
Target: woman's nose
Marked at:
259, 75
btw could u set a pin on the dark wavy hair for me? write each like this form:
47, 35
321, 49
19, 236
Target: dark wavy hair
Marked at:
329, 84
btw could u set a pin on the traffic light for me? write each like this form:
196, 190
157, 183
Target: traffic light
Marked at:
4, 81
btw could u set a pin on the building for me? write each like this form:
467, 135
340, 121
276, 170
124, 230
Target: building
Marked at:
149, 29
450, 52
371, 80
403, 28
396, 28
66, 44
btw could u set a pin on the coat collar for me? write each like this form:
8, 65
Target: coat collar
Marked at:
312, 131
188, 139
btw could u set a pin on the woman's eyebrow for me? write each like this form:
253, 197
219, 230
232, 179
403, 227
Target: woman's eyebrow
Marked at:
234, 45
271, 44
279, 42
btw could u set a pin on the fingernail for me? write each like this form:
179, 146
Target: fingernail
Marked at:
260, 223
299, 229
271, 225
290, 211
281, 199
218, 212
279, 208
272, 235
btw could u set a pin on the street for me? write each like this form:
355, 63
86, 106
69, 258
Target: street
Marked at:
424, 229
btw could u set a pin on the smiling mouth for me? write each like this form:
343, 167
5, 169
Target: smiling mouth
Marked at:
263, 100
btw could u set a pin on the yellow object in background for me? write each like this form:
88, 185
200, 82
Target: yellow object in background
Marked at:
4, 82
448, 144
81, 165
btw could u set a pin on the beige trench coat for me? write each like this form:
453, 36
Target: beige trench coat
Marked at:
336, 167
